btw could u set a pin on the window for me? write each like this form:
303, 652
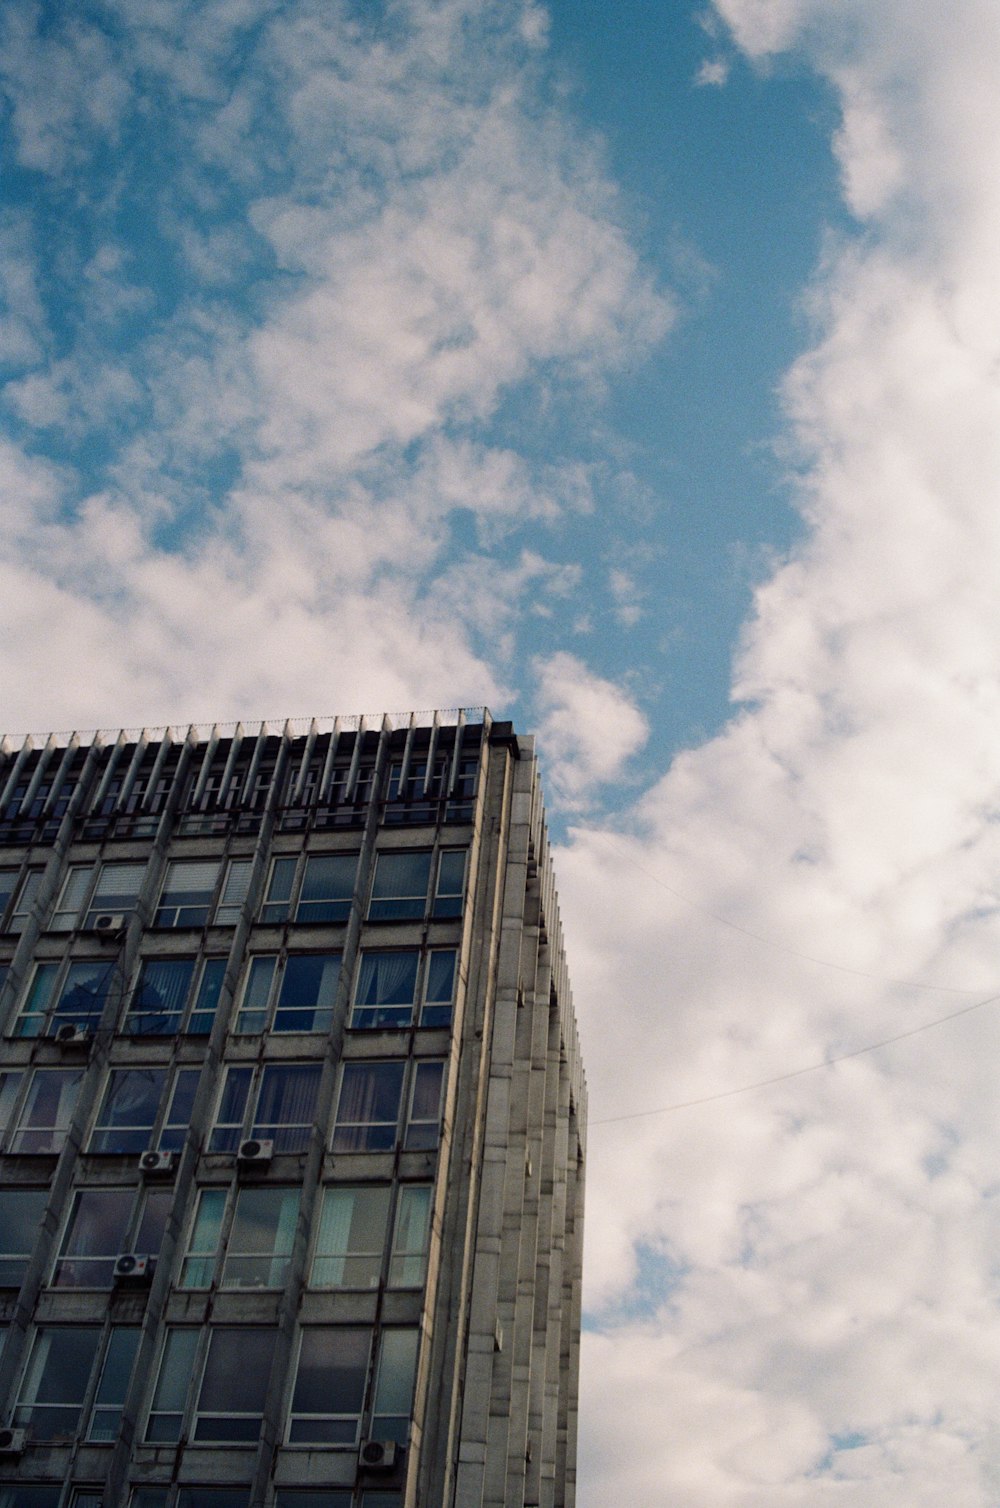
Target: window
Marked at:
161, 994
394, 1378
119, 1359
449, 891
301, 994
411, 1237
351, 1238
24, 1496
56, 1379
230, 1403
148, 1497
179, 1110
282, 1106
212, 1497
186, 899
71, 898
94, 1237
198, 1265
234, 892
21, 910
8, 884
423, 1122
47, 1111
21, 1212
368, 1108
329, 1388
170, 1397
399, 890
78, 1000
127, 1115
386, 989
10, 1083
117, 889
277, 901
260, 1243
160, 997
439, 988
327, 888
307, 1497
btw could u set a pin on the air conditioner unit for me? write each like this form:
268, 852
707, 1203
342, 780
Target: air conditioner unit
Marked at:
71, 1035
255, 1152
378, 1455
13, 1441
130, 1267
109, 923
156, 1164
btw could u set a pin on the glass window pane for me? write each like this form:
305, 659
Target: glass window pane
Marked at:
411, 1236
55, 1382
329, 1386
83, 993
252, 1015
206, 1003
368, 1108
286, 1105
213, 1497
128, 1111
308, 993
94, 1237
10, 1084
399, 890
397, 1369
327, 888
386, 989
307, 1497
234, 1384
21, 1212
179, 1109
48, 1110
351, 1238
71, 898
439, 988
425, 1107
117, 890
8, 884
260, 1243
450, 888
160, 995
225, 1136
187, 893
31, 1021
119, 1359
21, 910
279, 891
234, 892
203, 1246
149, 1233
28, 1496
170, 1398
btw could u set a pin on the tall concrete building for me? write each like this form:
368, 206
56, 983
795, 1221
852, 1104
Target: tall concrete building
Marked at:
291, 1122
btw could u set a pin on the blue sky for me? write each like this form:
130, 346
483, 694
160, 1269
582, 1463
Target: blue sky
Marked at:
633, 371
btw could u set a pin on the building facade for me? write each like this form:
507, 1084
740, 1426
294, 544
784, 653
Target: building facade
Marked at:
291, 1122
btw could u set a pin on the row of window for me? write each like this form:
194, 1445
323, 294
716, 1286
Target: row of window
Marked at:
408, 884
31, 1495
293, 992
211, 1383
380, 1105
238, 1238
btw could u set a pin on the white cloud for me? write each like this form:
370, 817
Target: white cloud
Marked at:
587, 727
713, 72
828, 1329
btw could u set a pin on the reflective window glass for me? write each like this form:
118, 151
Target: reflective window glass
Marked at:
399, 890
160, 996
394, 1379
21, 1212
327, 888
47, 1111
234, 1384
329, 1386
128, 1111
170, 1398
119, 1358
386, 989
55, 1383
350, 1241
93, 1238
410, 1237
368, 1106
198, 1266
260, 1242
186, 898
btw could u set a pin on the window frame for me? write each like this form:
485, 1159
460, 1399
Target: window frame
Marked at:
333, 1417
351, 1257
10, 1259
18, 1130
226, 1136
52, 1012
207, 974
187, 914
271, 1013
